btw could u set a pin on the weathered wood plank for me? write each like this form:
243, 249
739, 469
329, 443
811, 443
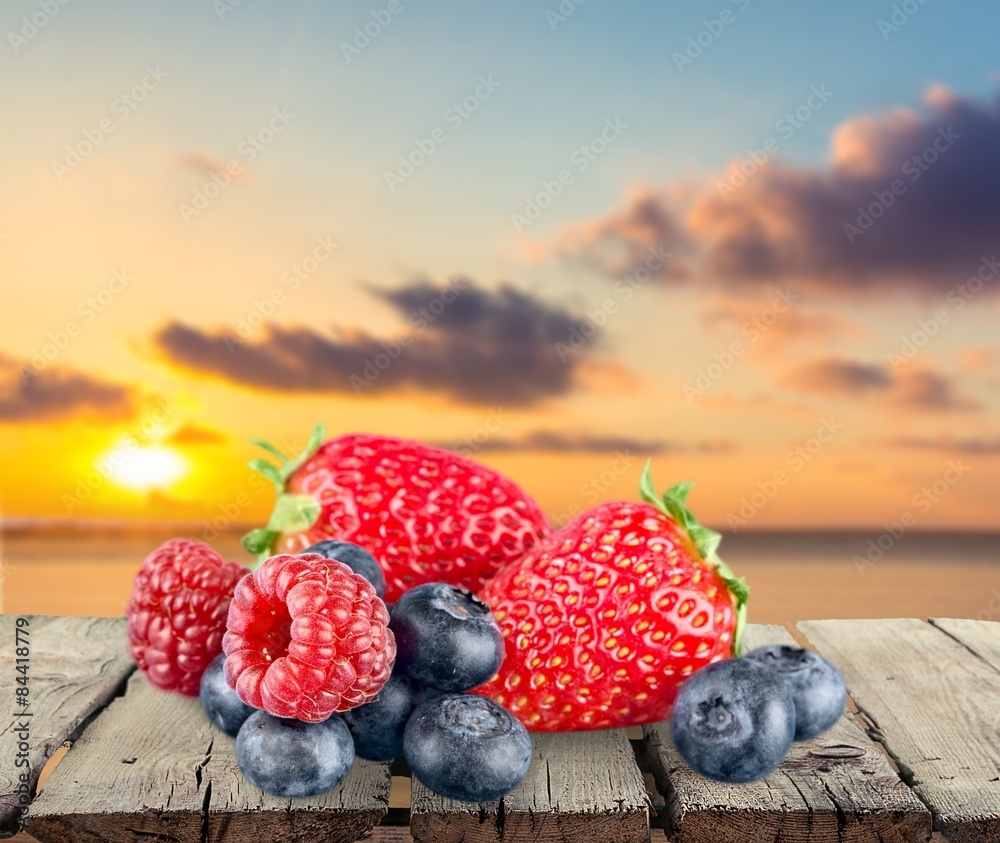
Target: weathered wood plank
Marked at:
152, 767
76, 666
388, 834
981, 637
836, 787
582, 786
933, 704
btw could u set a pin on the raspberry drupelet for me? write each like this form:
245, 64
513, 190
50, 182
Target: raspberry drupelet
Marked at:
177, 613
307, 637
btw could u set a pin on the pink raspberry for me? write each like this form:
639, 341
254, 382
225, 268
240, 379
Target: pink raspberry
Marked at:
306, 637
177, 613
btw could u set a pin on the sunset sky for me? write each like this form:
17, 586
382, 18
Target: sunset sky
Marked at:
227, 220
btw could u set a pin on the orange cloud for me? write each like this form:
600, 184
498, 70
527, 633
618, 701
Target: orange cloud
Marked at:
774, 328
978, 360
978, 446
208, 165
919, 389
195, 434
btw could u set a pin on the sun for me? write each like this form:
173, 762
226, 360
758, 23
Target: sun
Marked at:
145, 468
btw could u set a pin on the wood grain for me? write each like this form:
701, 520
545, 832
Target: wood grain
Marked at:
934, 705
980, 637
836, 787
581, 786
76, 666
152, 767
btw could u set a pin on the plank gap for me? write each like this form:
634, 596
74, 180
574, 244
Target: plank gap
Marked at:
940, 625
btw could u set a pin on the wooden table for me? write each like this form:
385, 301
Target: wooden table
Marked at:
919, 750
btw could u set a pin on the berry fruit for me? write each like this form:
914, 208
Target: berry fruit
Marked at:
292, 759
466, 747
603, 620
425, 514
817, 687
733, 720
177, 613
445, 637
377, 727
221, 703
307, 637
356, 558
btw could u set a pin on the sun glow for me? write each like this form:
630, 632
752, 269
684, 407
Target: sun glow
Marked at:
145, 468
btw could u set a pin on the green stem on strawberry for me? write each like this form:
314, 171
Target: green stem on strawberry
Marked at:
674, 504
291, 513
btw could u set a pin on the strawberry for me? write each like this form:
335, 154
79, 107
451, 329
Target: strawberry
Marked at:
603, 620
425, 514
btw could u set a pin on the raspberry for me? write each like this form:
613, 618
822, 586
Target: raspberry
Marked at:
177, 613
306, 637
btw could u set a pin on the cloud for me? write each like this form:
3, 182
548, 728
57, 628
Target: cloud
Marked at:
772, 326
58, 392
963, 446
560, 443
763, 403
802, 224
923, 389
838, 376
913, 388
474, 345
648, 228
195, 434
208, 165
978, 359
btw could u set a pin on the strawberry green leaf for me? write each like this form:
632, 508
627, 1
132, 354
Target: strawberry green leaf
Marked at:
270, 471
259, 540
267, 446
707, 540
293, 513
678, 514
312, 446
646, 488
679, 492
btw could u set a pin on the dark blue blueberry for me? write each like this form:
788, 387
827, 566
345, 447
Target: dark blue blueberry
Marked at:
426, 692
292, 758
445, 637
733, 720
817, 687
466, 747
222, 705
378, 726
356, 558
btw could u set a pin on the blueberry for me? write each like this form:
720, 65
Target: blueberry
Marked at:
817, 687
292, 758
733, 720
377, 727
445, 637
222, 705
466, 747
356, 558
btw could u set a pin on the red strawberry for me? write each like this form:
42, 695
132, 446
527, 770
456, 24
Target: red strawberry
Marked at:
306, 637
177, 613
603, 620
425, 514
